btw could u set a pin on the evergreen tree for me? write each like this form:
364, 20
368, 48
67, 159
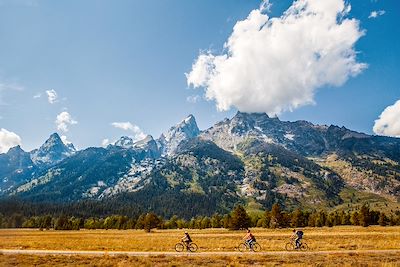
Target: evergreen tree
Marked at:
205, 223
239, 219
151, 221
354, 218
364, 216
181, 224
216, 221
345, 218
140, 222
172, 223
267, 217
320, 219
46, 222
60, 223
297, 219
382, 221
276, 216
311, 219
90, 223
226, 220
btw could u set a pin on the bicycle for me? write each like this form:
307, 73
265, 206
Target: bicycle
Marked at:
291, 246
253, 246
192, 247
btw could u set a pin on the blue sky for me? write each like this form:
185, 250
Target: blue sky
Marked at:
125, 61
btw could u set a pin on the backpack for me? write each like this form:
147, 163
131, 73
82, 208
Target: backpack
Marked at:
253, 237
300, 234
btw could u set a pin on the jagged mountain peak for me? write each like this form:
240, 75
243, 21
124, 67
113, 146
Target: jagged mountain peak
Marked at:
187, 125
125, 142
52, 151
170, 140
55, 136
190, 119
53, 141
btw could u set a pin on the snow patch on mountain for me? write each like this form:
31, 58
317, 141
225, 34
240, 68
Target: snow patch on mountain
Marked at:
289, 136
135, 179
124, 142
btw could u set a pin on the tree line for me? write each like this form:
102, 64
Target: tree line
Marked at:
238, 218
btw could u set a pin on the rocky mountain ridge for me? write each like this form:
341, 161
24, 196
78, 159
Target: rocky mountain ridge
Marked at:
250, 158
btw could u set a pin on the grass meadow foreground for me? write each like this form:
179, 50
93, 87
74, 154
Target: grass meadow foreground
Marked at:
348, 243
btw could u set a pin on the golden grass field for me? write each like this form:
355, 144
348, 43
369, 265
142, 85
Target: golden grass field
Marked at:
348, 240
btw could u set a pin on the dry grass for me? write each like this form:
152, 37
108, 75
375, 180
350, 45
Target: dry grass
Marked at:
319, 239
390, 260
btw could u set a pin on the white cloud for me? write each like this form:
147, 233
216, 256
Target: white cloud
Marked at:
105, 142
138, 134
277, 64
375, 14
65, 140
52, 96
8, 139
38, 95
63, 120
389, 121
193, 99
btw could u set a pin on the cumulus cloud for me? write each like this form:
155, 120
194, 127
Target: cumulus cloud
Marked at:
52, 96
276, 64
8, 140
137, 133
375, 14
389, 123
63, 121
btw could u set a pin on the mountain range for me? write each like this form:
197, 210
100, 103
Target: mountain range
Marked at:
251, 159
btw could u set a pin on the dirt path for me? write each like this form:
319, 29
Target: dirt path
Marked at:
196, 254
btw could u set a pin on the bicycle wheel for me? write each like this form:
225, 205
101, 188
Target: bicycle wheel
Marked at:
304, 247
242, 247
289, 246
256, 247
193, 247
179, 247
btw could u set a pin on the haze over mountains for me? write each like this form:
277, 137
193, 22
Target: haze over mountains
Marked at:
250, 158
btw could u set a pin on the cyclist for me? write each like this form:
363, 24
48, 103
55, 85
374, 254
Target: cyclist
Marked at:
187, 240
249, 239
297, 237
